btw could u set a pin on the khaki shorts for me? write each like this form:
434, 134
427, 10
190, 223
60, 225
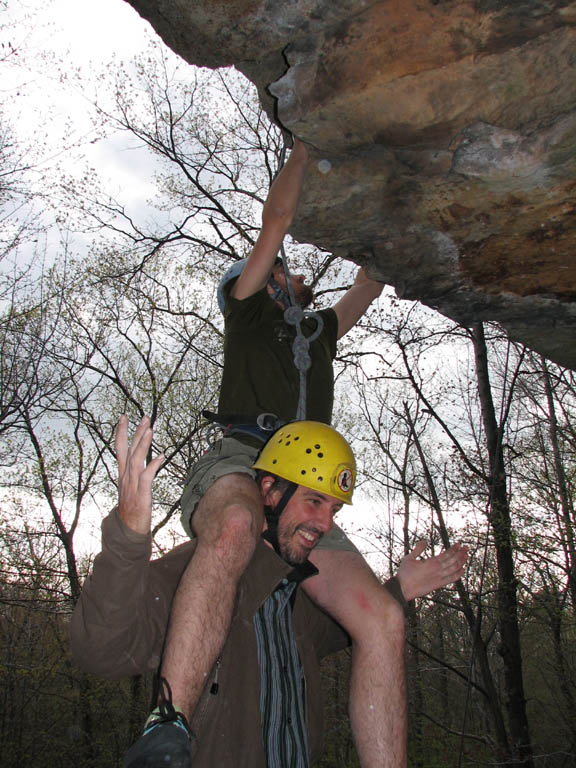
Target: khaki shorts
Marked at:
226, 457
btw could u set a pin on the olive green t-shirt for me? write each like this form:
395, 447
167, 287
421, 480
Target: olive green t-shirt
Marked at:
259, 372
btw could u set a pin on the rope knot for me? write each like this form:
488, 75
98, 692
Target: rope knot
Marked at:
300, 347
293, 314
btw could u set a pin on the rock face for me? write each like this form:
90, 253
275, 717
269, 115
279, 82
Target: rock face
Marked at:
450, 131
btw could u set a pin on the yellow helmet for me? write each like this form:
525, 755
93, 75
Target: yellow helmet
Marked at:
311, 454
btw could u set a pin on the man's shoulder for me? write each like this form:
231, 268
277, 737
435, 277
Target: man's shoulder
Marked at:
175, 560
330, 320
328, 313
254, 307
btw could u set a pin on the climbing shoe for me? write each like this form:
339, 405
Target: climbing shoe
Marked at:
167, 739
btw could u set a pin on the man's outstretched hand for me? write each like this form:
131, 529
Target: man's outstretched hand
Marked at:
135, 477
419, 577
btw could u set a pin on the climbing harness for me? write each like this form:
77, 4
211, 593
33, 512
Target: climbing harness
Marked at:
260, 427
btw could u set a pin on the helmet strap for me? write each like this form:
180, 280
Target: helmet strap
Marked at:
279, 294
272, 515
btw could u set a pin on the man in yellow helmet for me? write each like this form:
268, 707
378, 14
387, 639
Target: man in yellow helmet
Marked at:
260, 706
314, 461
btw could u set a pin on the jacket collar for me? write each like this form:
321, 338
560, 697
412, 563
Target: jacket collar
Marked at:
264, 573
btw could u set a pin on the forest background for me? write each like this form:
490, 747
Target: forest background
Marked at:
113, 236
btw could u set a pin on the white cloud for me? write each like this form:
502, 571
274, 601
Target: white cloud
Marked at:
93, 32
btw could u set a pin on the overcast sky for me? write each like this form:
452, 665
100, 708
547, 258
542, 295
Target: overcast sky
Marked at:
62, 49
81, 34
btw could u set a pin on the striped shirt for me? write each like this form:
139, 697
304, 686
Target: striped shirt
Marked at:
282, 683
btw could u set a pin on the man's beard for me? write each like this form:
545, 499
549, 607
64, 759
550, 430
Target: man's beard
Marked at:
294, 555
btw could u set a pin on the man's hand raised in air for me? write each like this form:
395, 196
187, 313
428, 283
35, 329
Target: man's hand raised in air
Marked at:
135, 477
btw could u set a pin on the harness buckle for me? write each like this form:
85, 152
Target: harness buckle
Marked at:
268, 422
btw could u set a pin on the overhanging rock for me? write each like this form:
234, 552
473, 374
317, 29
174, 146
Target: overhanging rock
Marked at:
450, 129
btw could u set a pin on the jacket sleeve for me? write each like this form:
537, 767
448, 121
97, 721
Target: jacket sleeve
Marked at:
119, 623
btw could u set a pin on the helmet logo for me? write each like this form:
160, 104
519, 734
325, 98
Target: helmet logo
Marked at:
345, 480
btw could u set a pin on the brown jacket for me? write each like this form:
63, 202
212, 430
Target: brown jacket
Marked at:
119, 625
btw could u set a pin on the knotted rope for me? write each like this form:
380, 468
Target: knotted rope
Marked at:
294, 315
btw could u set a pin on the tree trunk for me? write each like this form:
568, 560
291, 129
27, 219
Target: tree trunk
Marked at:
500, 521
480, 650
565, 499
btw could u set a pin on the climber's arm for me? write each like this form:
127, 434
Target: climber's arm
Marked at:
356, 301
277, 216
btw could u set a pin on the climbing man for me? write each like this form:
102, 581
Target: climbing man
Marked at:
222, 505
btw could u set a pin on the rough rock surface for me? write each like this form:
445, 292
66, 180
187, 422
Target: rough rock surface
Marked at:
450, 129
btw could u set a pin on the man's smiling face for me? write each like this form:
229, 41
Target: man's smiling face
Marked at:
307, 517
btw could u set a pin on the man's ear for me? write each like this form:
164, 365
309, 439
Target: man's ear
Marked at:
266, 484
278, 274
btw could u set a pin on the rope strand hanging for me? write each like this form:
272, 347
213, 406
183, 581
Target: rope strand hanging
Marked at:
294, 315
